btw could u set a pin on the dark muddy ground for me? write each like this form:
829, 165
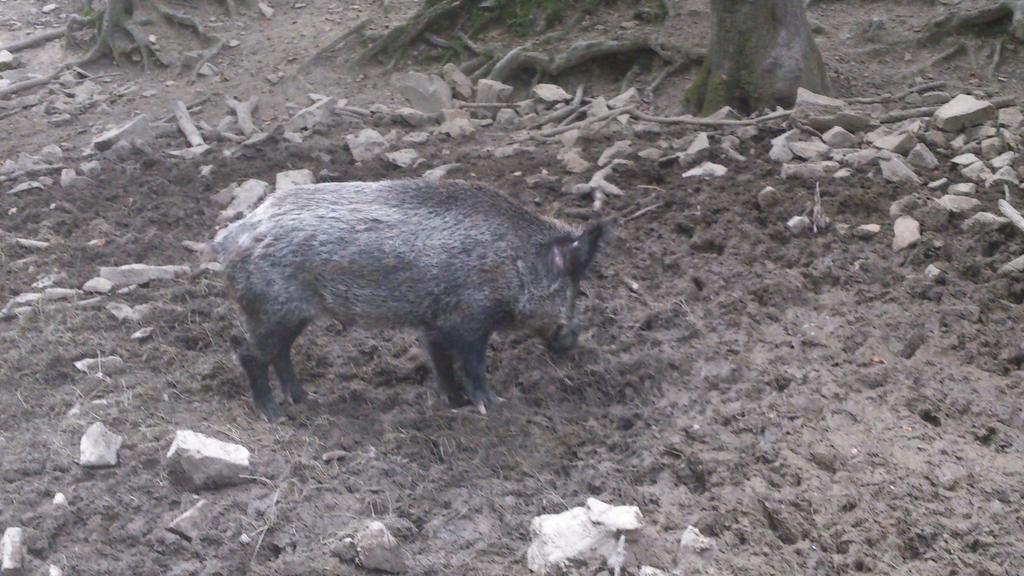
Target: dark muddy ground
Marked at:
815, 405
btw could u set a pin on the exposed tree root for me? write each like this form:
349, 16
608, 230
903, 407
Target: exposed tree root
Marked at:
694, 121
334, 44
32, 41
579, 53
961, 20
398, 38
926, 87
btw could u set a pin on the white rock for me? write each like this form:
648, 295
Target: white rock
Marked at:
965, 159
809, 170
906, 233
142, 333
1014, 266
403, 158
630, 96
706, 170
551, 93
921, 157
197, 461
810, 150
459, 82
416, 138
425, 92
977, 172
900, 143
866, 231
132, 274
964, 189
377, 549
957, 204
492, 91
573, 160
7, 61
506, 118
136, 130
123, 312
935, 98
98, 447
933, 272
367, 145
59, 499
780, 152
100, 365
823, 113
457, 123
12, 551
25, 186
864, 157
896, 170
292, 178
984, 222
700, 145
1011, 117
265, 8
652, 154
98, 286
842, 174
838, 137
1005, 175
799, 225
1003, 160
693, 541
580, 533
962, 112
49, 8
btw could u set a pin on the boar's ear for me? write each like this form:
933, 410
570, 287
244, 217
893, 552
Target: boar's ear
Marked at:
584, 248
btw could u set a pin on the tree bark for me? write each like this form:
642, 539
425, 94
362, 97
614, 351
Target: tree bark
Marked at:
761, 51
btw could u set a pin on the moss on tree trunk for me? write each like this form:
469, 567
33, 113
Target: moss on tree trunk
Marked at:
761, 51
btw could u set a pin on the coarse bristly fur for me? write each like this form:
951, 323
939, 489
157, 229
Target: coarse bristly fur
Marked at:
457, 260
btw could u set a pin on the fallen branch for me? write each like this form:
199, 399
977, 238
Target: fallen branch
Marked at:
191, 107
687, 119
401, 36
565, 112
577, 54
31, 41
900, 115
599, 187
243, 111
927, 87
584, 123
188, 128
957, 20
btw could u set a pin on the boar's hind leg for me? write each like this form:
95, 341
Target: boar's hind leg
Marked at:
444, 368
291, 388
268, 341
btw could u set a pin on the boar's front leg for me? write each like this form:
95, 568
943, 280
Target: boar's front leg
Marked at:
439, 348
472, 353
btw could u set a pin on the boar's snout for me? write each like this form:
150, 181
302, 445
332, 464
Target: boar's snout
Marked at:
564, 338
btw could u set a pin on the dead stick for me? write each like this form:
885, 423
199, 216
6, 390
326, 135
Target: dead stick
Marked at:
33, 40
610, 114
705, 122
243, 111
188, 128
900, 115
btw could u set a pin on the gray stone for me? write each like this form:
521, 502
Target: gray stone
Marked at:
1003, 160
292, 178
573, 160
865, 231
377, 549
810, 150
51, 154
425, 92
1011, 117
980, 132
706, 170
243, 198
142, 334
958, 204
906, 233
838, 137
98, 286
992, 147
366, 145
98, 447
13, 551
457, 123
842, 174
799, 225
962, 112
403, 158
459, 82
809, 171
823, 113
963, 189
551, 93
192, 523
1014, 266
896, 170
630, 96
415, 118
132, 274
977, 172
768, 198
933, 272
309, 118
864, 157
938, 184
921, 157
506, 118
984, 222
123, 312
8, 61
510, 150
781, 152
197, 461
693, 542
935, 98
492, 91
652, 154
1005, 175
900, 143
137, 130
965, 159
416, 138
100, 365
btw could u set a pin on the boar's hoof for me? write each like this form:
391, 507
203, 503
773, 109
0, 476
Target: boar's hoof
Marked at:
271, 411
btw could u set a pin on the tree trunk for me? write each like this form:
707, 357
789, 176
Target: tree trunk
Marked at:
761, 51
